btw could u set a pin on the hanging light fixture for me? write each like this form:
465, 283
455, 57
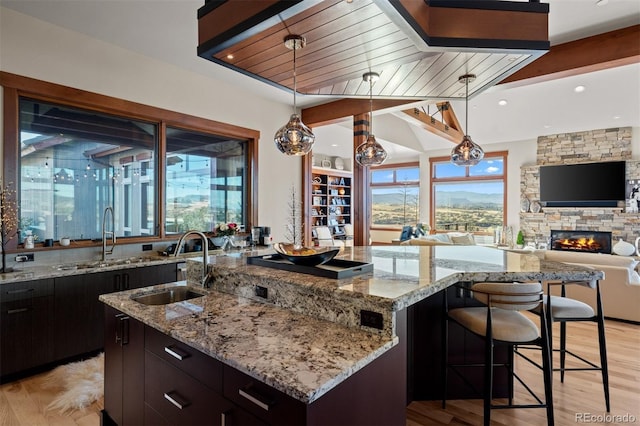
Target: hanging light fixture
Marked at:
370, 153
294, 138
467, 152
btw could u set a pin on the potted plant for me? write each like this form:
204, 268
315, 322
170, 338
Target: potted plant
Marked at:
520, 240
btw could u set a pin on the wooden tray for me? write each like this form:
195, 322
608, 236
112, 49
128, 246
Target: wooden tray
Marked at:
335, 268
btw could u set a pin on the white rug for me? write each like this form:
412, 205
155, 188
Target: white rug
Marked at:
81, 383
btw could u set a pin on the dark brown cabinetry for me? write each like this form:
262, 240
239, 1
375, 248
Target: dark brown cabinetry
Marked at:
425, 374
79, 319
124, 367
26, 330
183, 386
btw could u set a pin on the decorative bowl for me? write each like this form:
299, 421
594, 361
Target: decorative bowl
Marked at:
306, 256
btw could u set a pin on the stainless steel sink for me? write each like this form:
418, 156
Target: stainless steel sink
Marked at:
166, 296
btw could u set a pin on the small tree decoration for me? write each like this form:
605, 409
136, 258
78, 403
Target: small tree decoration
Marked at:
520, 239
293, 232
8, 219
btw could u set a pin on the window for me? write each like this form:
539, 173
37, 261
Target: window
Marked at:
206, 180
470, 199
395, 196
86, 152
75, 163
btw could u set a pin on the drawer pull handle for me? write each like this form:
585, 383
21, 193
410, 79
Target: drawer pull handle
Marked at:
254, 397
175, 400
21, 290
176, 353
17, 311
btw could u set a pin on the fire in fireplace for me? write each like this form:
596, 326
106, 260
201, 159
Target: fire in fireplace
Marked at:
585, 241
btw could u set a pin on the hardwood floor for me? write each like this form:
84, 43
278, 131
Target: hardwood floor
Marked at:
24, 402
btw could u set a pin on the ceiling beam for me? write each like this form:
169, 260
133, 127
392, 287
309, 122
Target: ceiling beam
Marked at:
602, 51
333, 112
449, 128
595, 53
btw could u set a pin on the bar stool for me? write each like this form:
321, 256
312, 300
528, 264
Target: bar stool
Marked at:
564, 309
500, 322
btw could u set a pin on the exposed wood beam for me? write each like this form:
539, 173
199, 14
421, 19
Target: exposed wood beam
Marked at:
449, 128
599, 52
332, 112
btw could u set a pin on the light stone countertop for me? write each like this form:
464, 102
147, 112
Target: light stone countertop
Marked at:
294, 353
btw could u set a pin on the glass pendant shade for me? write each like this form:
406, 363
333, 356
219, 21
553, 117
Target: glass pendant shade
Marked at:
370, 153
467, 153
294, 138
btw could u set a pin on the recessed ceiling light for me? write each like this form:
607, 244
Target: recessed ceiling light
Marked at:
579, 89
602, 2
229, 56
334, 144
502, 102
616, 117
547, 126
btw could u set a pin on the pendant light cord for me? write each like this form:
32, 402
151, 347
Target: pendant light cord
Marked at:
295, 89
370, 105
466, 109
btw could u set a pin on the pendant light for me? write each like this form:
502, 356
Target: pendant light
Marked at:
467, 152
294, 138
370, 153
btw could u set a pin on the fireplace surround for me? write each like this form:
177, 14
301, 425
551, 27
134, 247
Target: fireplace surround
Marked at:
581, 241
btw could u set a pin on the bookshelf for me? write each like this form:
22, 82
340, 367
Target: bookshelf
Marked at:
330, 200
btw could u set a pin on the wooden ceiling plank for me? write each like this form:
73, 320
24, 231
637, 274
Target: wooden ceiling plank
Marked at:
602, 51
314, 28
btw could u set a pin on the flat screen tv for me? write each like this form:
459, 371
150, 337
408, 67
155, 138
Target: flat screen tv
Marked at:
583, 185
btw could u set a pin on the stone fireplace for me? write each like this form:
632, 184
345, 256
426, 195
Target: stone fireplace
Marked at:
582, 241
572, 148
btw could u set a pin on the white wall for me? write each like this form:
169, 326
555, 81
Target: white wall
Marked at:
39, 50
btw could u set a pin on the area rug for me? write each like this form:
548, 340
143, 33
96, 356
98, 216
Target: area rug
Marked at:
80, 384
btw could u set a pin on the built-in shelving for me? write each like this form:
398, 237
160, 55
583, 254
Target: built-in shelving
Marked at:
330, 200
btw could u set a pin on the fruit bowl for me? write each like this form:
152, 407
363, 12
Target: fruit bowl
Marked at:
304, 255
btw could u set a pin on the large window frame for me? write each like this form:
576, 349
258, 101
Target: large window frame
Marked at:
394, 183
16, 87
467, 177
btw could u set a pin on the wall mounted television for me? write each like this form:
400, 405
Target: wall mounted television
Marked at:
583, 185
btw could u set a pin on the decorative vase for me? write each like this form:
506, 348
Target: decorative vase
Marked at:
623, 248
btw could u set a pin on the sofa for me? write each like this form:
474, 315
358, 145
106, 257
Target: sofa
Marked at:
449, 238
620, 288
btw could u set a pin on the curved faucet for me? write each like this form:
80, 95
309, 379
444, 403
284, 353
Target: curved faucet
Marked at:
111, 233
205, 252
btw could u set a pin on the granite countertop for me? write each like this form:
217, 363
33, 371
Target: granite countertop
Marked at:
296, 354
42, 271
402, 276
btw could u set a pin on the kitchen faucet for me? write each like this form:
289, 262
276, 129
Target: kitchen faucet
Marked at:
205, 253
106, 233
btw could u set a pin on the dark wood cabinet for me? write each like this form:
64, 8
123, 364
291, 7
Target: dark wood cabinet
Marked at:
79, 319
425, 374
26, 330
183, 386
123, 369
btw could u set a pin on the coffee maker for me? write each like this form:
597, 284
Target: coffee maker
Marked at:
263, 235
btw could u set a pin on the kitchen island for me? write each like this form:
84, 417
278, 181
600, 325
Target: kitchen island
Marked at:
331, 345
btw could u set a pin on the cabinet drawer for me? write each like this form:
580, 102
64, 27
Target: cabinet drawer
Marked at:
261, 400
178, 397
26, 290
193, 362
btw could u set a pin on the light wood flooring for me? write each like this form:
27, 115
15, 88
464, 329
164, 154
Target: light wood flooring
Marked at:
24, 402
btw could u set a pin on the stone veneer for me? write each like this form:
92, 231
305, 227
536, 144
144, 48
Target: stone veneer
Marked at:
571, 148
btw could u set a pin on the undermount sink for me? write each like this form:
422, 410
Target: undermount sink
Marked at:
170, 295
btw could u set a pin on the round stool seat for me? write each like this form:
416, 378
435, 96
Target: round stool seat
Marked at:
507, 326
565, 307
